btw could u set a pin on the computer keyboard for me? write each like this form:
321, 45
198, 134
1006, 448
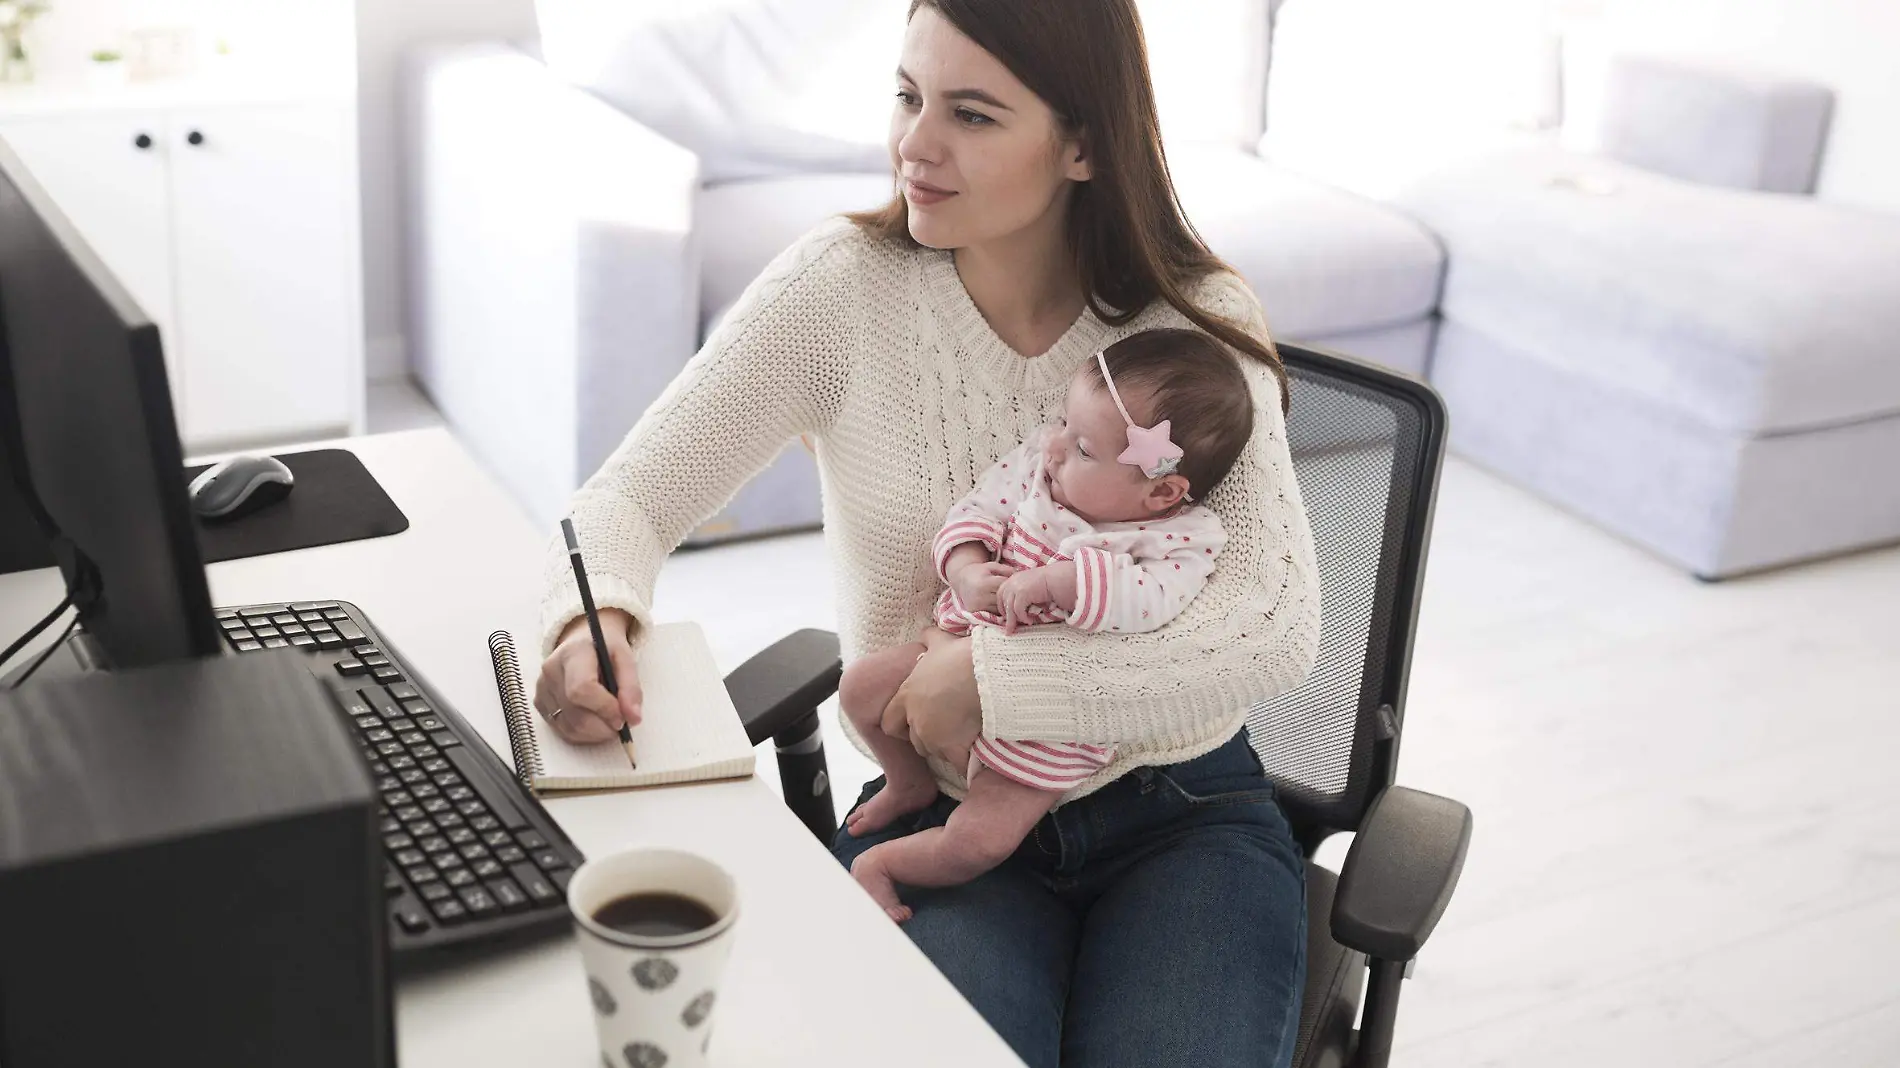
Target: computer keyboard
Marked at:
469, 856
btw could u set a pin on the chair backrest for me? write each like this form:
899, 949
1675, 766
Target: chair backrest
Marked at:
1367, 444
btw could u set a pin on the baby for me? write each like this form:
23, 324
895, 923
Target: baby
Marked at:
1090, 523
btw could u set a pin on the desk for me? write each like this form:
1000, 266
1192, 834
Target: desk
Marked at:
818, 976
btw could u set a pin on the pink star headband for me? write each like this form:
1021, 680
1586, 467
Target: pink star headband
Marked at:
1149, 448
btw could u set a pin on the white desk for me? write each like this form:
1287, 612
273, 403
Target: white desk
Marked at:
819, 976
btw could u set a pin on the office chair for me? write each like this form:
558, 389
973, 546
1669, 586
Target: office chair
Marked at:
1367, 445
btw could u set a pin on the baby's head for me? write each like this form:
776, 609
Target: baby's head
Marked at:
1182, 376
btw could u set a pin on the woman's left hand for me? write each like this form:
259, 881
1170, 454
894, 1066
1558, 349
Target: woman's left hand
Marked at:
938, 708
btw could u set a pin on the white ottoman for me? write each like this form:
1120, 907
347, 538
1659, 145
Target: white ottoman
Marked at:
1710, 372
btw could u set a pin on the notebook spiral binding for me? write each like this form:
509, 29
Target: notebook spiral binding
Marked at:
514, 707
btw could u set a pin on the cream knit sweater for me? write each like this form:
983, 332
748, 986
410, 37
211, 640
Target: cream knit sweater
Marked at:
877, 352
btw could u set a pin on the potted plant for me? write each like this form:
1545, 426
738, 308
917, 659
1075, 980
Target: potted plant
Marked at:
107, 68
16, 16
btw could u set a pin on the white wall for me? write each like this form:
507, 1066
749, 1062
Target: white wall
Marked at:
384, 30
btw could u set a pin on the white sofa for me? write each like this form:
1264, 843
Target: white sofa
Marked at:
567, 259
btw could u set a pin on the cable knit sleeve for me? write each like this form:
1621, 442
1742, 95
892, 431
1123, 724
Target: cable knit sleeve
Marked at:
775, 369
1252, 632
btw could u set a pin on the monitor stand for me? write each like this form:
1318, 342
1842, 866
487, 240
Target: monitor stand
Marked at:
77, 655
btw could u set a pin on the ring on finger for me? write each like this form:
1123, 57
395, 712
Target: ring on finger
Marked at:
556, 714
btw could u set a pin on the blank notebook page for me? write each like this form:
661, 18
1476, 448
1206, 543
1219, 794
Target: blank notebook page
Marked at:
688, 730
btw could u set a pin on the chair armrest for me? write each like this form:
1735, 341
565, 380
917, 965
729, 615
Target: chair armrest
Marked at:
786, 682
1400, 873
554, 282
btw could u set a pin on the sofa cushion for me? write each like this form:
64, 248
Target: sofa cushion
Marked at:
767, 87
1322, 261
1749, 312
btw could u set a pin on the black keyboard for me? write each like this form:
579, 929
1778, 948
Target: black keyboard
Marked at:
470, 857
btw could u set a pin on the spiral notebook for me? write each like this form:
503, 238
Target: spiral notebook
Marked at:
688, 729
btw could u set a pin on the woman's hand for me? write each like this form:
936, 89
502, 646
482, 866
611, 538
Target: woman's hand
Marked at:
569, 694
938, 708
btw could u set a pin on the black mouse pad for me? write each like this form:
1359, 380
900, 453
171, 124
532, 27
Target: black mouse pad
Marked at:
336, 500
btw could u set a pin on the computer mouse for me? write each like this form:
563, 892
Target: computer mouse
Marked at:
240, 486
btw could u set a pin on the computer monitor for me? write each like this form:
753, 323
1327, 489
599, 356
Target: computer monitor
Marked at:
88, 441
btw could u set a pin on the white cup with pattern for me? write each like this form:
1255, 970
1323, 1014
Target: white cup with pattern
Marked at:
655, 930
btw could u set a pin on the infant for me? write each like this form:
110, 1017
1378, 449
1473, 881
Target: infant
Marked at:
1090, 523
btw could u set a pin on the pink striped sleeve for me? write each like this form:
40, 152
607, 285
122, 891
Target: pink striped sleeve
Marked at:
1093, 569
1043, 765
967, 528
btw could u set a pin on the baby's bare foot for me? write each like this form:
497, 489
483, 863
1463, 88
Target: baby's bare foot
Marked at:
893, 801
871, 875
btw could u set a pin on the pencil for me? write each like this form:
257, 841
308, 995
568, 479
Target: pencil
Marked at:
593, 626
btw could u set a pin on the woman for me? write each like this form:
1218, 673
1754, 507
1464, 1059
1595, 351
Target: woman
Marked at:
1157, 916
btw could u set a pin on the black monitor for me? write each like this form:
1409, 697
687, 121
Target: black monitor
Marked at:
88, 443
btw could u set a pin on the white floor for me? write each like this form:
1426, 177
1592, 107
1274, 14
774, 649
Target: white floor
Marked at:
1687, 846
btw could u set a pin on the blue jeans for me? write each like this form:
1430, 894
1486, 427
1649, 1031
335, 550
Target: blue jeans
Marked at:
1159, 921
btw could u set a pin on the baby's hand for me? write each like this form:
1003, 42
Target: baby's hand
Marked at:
1019, 593
976, 584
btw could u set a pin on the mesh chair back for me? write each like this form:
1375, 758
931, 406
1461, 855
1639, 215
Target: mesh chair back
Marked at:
1367, 446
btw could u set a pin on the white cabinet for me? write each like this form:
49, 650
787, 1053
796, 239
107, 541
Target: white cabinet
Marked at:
234, 227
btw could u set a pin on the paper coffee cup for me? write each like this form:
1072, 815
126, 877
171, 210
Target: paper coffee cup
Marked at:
654, 996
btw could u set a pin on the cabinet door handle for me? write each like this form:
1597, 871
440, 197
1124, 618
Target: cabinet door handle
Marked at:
194, 138
142, 141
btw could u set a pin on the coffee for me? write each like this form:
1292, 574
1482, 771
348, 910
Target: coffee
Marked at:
655, 915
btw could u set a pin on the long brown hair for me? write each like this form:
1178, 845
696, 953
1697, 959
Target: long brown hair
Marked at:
1088, 60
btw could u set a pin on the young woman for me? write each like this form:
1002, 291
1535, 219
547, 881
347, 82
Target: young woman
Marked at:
1157, 914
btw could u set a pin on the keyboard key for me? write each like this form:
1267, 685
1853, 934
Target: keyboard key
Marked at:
435, 843
425, 790
230, 622
496, 839
548, 860
445, 861
398, 797
312, 606
531, 840
459, 793
402, 691
384, 704
328, 640
389, 825
420, 746
265, 632
459, 877
539, 888
378, 767
411, 917
276, 643
409, 812
417, 706
507, 894
282, 618
368, 723
446, 779
353, 704
486, 868
248, 647
303, 641
484, 823
396, 841
421, 874
471, 809
392, 883
435, 891
510, 854
407, 726
367, 651
424, 828
472, 850
310, 617
401, 762
560, 878
462, 836
413, 777
450, 819
372, 658
390, 749
429, 723
386, 674
470, 767
335, 613
478, 900
444, 739
351, 633
378, 734
435, 806
435, 764
448, 910
223, 614
350, 668
408, 857
265, 610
